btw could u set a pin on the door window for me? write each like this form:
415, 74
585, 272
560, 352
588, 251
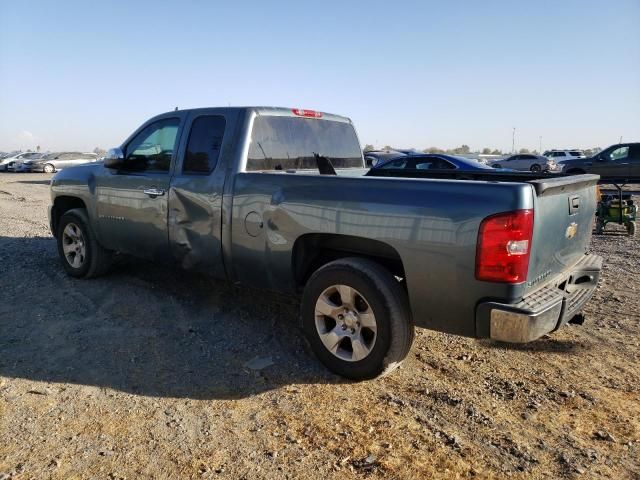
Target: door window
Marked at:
152, 149
205, 142
621, 153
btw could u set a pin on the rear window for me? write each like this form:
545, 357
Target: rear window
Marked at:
290, 143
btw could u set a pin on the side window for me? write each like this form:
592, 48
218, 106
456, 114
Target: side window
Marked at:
205, 142
441, 164
619, 153
401, 163
152, 148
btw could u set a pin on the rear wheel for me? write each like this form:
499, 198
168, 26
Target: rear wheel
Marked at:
48, 168
536, 168
81, 254
631, 228
356, 317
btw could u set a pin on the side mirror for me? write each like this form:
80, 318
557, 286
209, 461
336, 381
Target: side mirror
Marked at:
114, 158
600, 158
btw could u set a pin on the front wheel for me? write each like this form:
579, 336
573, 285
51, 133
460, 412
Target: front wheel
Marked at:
48, 168
81, 254
536, 168
356, 317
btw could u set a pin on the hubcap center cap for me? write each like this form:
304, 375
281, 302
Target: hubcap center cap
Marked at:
350, 320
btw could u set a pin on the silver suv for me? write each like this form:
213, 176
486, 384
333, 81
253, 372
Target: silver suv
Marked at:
562, 155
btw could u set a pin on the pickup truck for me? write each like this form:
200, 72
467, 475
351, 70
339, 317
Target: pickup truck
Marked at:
279, 199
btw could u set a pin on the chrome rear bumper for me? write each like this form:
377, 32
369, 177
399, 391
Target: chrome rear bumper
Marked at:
546, 309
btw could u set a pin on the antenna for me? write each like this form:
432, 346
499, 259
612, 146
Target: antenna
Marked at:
175, 109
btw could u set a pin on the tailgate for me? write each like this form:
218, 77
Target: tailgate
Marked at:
563, 221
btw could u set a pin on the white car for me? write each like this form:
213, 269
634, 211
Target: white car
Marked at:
8, 163
526, 162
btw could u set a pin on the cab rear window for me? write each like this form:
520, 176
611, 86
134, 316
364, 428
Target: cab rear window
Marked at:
292, 143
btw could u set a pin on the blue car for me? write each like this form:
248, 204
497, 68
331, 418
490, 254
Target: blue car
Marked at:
434, 161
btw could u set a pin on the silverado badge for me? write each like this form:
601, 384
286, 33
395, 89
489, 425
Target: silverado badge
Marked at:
571, 230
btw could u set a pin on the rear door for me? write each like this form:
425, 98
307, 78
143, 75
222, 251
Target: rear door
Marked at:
132, 201
195, 196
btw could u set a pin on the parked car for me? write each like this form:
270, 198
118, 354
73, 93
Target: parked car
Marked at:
526, 162
562, 155
8, 163
57, 161
374, 157
619, 161
279, 199
432, 161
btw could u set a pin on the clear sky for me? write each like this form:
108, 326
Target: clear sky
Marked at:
81, 74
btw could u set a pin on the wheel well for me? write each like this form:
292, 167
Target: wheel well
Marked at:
313, 250
62, 205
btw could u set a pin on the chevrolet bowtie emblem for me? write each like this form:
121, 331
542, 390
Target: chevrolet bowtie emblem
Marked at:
571, 230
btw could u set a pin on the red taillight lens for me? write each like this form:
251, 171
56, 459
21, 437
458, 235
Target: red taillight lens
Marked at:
504, 244
306, 113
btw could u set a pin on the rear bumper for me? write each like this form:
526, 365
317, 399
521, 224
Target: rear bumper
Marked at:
544, 310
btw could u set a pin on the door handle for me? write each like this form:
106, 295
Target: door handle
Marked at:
154, 192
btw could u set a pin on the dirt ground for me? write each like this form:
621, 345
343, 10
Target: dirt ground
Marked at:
151, 372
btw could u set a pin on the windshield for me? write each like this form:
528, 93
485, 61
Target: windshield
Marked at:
292, 143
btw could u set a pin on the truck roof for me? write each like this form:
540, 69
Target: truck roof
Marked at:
271, 111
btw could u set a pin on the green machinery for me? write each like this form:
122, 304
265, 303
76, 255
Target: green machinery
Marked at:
618, 208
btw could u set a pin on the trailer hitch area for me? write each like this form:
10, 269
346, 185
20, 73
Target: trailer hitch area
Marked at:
578, 319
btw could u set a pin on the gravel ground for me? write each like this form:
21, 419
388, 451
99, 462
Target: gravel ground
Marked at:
151, 372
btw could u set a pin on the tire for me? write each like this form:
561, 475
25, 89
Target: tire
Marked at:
48, 168
81, 254
631, 228
379, 324
536, 168
599, 227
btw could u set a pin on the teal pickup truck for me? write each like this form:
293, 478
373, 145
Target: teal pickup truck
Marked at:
279, 199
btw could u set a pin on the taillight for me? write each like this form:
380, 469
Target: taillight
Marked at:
504, 245
306, 113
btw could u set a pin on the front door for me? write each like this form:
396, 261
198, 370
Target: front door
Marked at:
132, 201
613, 162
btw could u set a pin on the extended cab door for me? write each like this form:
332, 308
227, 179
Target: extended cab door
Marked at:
196, 193
132, 201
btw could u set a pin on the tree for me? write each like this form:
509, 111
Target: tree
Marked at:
524, 150
433, 150
101, 152
496, 152
486, 151
387, 147
462, 149
368, 147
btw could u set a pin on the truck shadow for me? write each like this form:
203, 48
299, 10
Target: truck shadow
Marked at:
546, 344
145, 329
